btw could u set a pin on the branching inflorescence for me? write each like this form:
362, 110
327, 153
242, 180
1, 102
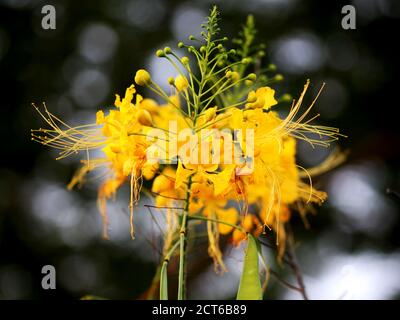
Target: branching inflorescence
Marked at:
215, 149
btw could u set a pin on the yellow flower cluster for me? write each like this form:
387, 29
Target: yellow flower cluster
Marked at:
194, 177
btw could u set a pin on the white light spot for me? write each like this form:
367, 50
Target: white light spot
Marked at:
299, 52
89, 88
97, 42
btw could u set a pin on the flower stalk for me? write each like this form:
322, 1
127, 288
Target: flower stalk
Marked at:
183, 246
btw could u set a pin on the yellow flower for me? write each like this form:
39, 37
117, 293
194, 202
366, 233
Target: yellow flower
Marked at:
261, 98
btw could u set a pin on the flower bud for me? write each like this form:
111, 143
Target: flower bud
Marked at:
144, 118
233, 75
232, 51
210, 114
167, 50
252, 76
142, 77
171, 81
185, 60
272, 67
181, 83
160, 53
252, 97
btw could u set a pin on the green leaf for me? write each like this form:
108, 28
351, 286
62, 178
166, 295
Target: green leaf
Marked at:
250, 284
164, 282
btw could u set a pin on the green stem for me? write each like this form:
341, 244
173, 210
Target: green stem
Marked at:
183, 245
164, 265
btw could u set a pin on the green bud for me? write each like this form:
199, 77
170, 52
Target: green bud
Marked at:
167, 50
160, 53
252, 76
181, 44
171, 80
279, 77
286, 98
185, 60
246, 60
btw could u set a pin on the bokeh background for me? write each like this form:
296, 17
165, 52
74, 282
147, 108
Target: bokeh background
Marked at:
352, 250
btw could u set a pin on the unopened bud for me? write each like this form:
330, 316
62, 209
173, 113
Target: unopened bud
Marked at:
144, 118
185, 60
252, 76
181, 83
171, 81
142, 77
167, 50
160, 53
